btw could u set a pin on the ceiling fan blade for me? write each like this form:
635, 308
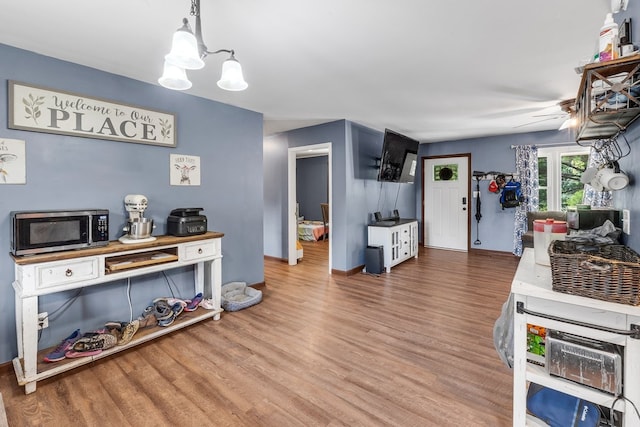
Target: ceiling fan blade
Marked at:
509, 113
525, 93
552, 115
534, 122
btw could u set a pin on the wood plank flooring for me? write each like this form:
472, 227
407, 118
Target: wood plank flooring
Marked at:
409, 348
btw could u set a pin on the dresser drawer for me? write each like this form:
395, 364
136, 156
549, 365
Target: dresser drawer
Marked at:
62, 273
199, 250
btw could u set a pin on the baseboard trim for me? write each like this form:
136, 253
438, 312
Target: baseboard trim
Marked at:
492, 253
259, 285
351, 272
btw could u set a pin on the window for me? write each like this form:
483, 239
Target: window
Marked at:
559, 171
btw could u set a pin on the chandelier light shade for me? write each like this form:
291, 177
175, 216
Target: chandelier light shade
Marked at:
174, 77
231, 78
184, 49
187, 53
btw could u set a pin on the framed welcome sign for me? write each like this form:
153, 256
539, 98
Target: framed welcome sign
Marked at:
40, 109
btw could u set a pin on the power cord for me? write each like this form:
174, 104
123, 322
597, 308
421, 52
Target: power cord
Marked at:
167, 279
129, 299
380, 196
395, 206
64, 306
621, 397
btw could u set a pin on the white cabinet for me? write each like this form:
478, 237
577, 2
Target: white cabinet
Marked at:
399, 240
536, 303
56, 272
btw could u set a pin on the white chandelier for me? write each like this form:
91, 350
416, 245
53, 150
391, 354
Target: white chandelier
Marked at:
187, 53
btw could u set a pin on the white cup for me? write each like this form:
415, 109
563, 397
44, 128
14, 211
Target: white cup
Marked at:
612, 180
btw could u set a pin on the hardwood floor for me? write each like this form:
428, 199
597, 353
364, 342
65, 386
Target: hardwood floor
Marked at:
409, 348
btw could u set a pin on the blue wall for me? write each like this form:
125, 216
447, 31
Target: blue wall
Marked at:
65, 172
489, 154
629, 198
356, 193
312, 186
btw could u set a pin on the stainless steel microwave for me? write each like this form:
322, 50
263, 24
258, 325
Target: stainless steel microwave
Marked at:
36, 232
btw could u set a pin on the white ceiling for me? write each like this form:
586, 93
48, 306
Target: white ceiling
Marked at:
433, 70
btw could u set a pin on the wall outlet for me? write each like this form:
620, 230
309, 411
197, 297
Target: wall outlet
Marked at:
626, 222
43, 320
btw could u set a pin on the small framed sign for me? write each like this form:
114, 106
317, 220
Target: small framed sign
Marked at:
12, 162
40, 109
184, 169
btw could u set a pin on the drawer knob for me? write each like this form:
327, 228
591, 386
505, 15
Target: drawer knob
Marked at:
68, 273
199, 250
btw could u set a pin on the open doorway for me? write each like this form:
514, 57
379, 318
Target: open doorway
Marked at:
292, 210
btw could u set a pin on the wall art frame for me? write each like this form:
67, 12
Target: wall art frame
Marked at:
13, 169
184, 170
40, 109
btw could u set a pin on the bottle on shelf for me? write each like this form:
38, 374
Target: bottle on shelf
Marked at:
608, 42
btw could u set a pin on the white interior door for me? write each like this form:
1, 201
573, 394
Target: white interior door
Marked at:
446, 203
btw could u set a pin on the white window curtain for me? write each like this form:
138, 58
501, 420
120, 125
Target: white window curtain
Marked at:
591, 196
527, 170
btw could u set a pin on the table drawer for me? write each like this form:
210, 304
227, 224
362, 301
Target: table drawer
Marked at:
62, 273
199, 250
577, 313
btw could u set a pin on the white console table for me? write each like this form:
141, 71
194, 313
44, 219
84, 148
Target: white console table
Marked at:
399, 239
536, 303
56, 272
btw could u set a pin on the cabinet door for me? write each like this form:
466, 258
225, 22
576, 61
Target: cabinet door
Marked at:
396, 244
414, 238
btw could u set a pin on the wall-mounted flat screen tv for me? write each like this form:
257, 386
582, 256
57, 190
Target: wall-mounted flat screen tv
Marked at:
399, 158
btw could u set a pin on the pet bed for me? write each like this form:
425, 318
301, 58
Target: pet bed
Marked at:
237, 295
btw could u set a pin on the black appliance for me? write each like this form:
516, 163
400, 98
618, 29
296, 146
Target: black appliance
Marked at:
374, 259
399, 158
186, 222
37, 232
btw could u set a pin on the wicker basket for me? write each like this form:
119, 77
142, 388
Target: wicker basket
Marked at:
605, 272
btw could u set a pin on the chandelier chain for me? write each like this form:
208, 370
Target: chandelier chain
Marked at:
194, 9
